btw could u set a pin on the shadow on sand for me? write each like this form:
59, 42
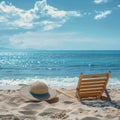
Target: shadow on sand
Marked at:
99, 103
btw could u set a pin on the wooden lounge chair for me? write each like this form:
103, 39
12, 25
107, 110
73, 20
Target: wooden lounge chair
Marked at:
93, 86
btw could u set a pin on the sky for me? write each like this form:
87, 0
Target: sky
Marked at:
60, 24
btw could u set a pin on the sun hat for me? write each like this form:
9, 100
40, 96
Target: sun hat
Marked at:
38, 91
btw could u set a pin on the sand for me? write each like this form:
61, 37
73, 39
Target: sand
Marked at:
14, 107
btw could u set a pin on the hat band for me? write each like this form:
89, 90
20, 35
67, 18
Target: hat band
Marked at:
39, 95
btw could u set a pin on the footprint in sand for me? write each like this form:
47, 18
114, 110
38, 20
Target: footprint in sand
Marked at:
33, 105
28, 112
90, 118
13, 117
50, 111
68, 102
9, 117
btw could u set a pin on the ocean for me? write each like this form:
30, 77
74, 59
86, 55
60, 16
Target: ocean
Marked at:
57, 68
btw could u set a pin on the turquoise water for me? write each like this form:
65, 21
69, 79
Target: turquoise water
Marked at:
56, 68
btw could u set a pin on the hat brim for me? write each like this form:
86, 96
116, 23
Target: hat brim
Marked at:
25, 93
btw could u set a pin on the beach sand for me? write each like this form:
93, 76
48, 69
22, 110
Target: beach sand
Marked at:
14, 107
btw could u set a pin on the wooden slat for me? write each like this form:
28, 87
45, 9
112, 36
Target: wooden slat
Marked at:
93, 83
94, 75
98, 80
91, 90
89, 95
83, 87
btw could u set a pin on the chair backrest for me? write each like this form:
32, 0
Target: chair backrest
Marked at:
92, 85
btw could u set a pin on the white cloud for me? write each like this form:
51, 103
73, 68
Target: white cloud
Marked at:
37, 40
102, 14
47, 40
54, 12
100, 1
13, 17
118, 5
2, 18
49, 25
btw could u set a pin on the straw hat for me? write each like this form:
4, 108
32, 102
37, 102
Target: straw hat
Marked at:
38, 91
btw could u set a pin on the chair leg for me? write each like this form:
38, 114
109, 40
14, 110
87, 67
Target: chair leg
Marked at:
78, 95
107, 95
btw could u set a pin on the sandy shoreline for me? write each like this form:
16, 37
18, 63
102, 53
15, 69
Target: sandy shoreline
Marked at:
14, 107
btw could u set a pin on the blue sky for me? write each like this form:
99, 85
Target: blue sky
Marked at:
60, 24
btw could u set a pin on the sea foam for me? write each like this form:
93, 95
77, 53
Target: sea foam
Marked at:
56, 82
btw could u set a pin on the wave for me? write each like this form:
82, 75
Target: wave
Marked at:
56, 82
